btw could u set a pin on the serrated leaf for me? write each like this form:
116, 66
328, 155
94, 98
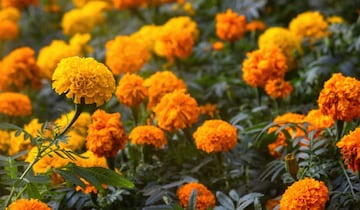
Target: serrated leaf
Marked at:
302, 155
83, 173
32, 191
71, 177
110, 177
224, 200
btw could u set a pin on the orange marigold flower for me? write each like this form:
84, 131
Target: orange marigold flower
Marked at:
318, 120
20, 4
128, 4
307, 193
205, 199
176, 110
310, 25
230, 26
182, 23
161, 83
89, 188
15, 104
106, 135
148, 134
83, 78
18, 69
132, 61
264, 64
208, 109
349, 146
215, 136
25, 204
340, 98
218, 46
335, 19
10, 13
8, 30
278, 88
131, 90
255, 25
147, 35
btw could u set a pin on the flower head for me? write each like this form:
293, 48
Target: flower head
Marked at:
147, 35
307, 193
335, 19
230, 26
176, 110
255, 25
15, 104
8, 30
90, 160
318, 120
148, 134
106, 135
349, 146
215, 136
128, 4
278, 88
204, 197
131, 90
83, 78
218, 46
340, 98
209, 109
25, 204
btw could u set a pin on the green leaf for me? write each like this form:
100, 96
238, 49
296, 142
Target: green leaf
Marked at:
71, 177
85, 174
192, 200
225, 201
32, 191
110, 177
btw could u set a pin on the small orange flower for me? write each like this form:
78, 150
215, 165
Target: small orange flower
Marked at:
218, 46
205, 199
349, 146
128, 4
15, 104
8, 30
32, 204
208, 109
278, 88
255, 25
230, 26
89, 188
307, 193
131, 90
148, 134
106, 135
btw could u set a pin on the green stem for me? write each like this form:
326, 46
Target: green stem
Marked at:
135, 112
78, 110
347, 178
339, 125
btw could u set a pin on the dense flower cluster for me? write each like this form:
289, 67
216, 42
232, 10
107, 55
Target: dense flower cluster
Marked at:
278, 88
9, 18
340, 97
215, 136
131, 90
230, 26
205, 199
349, 146
307, 193
148, 134
25, 204
83, 78
15, 104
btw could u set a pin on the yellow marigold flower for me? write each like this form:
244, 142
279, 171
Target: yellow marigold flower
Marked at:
25, 204
128, 4
182, 23
147, 35
80, 44
335, 19
215, 136
10, 13
310, 25
91, 160
208, 109
349, 146
278, 88
218, 46
307, 193
340, 98
83, 78
176, 110
264, 64
4, 142
148, 134
230, 26
131, 90
161, 83
255, 25
205, 199
15, 104
18, 69
106, 135
8, 30
285, 40
81, 3
19, 4
135, 57
318, 120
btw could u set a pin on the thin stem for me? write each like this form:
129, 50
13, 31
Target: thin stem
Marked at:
347, 177
78, 110
339, 125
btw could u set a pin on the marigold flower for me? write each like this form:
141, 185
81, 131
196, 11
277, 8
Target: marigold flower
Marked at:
10, 13
106, 135
132, 61
278, 88
310, 25
349, 146
159, 84
18, 69
15, 104
182, 23
230, 26
19, 4
205, 199
176, 110
128, 4
147, 35
8, 30
90, 160
340, 98
4, 142
335, 19
131, 91
80, 44
307, 193
318, 120
89, 188
25, 204
83, 78
148, 134
264, 64
218, 46
255, 25
215, 136
81, 3
208, 109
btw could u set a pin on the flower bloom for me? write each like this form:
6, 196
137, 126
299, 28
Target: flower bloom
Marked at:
335, 19
278, 88
83, 78
148, 134
125, 54
215, 136
255, 25
81, 3
131, 90
318, 120
147, 35
15, 104
309, 25
230, 26
349, 146
340, 98
128, 4
19, 4
307, 193
264, 64
25, 204
89, 188
218, 46
106, 135
8, 30
208, 109
205, 199
176, 110
90, 160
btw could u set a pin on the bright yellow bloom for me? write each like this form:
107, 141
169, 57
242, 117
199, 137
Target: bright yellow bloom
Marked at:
205, 199
15, 104
80, 44
215, 136
230, 26
255, 25
349, 146
340, 97
182, 23
91, 160
126, 54
148, 134
335, 19
83, 78
278, 88
176, 110
106, 135
81, 3
147, 35
4, 142
131, 90
19, 4
32, 204
304, 194
10, 13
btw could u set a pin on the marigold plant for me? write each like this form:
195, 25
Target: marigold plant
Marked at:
230, 26
205, 199
349, 146
28, 204
148, 134
15, 104
278, 88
